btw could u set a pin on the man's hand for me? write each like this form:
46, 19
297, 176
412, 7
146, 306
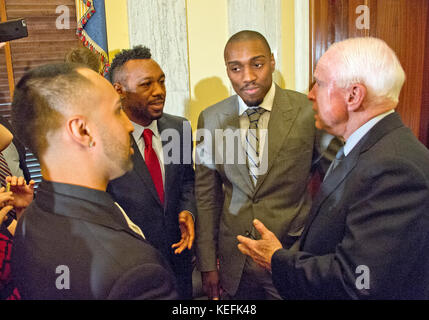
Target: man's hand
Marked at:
210, 282
261, 251
187, 228
22, 193
3, 213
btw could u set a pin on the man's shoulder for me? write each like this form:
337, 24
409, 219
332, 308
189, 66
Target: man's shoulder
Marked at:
171, 118
223, 105
294, 96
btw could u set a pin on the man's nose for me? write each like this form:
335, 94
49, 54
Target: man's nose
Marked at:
158, 89
249, 75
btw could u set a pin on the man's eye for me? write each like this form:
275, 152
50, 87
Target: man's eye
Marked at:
258, 65
235, 69
145, 84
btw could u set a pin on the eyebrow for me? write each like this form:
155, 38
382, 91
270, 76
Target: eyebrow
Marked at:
251, 59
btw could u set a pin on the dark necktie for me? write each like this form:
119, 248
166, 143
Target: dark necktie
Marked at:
338, 158
4, 170
152, 164
252, 140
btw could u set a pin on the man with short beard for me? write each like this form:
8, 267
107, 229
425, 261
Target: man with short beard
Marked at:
158, 194
268, 182
74, 241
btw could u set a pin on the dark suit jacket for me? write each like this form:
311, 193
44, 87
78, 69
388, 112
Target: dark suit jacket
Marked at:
136, 193
81, 229
19, 147
373, 211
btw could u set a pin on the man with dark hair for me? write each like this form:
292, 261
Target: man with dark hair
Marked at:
84, 56
277, 142
158, 194
74, 241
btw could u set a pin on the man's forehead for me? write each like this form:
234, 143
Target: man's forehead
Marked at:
252, 48
142, 66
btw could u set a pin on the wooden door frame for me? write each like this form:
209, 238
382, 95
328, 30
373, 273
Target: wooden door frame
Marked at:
8, 53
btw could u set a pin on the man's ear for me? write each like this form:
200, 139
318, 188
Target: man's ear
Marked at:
119, 88
273, 63
355, 96
79, 131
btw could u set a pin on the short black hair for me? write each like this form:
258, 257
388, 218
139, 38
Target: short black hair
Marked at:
41, 97
246, 35
138, 52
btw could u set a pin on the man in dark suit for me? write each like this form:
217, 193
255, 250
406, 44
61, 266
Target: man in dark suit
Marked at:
368, 232
158, 194
74, 241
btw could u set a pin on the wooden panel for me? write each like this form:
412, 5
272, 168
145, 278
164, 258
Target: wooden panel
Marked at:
424, 116
402, 24
44, 44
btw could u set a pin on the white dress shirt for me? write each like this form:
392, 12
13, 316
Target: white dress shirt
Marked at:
267, 104
131, 224
156, 143
356, 136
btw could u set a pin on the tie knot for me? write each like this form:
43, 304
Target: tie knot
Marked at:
254, 113
147, 137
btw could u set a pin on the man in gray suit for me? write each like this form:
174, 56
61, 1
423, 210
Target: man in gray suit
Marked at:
253, 159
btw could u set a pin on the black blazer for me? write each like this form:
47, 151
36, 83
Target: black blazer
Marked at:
372, 211
19, 147
136, 193
83, 230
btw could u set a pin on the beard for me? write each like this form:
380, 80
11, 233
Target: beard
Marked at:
118, 153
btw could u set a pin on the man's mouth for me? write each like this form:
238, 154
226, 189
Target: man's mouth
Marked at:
250, 90
157, 103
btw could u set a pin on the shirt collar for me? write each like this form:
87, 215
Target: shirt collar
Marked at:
138, 129
92, 195
267, 104
356, 136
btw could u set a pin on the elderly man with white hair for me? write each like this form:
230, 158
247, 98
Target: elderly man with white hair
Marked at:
367, 236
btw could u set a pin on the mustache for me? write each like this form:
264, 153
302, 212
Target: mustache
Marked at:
250, 86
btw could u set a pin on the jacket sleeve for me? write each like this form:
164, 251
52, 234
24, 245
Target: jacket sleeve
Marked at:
145, 282
209, 199
187, 200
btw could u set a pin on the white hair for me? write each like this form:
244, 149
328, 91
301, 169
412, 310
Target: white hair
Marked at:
371, 62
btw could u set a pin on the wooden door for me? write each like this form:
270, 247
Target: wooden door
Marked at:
403, 24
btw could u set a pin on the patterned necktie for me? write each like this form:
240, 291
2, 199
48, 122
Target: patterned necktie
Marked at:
338, 158
152, 164
252, 142
4, 170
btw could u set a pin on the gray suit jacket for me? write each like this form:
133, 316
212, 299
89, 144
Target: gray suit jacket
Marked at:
227, 201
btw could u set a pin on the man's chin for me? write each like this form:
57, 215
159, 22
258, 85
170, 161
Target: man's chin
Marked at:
253, 103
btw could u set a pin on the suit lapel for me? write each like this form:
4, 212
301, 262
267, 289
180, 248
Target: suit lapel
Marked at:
237, 171
330, 185
168, 168
142, 171
282, 117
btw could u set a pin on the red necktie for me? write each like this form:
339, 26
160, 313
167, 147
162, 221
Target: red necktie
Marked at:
152, 164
